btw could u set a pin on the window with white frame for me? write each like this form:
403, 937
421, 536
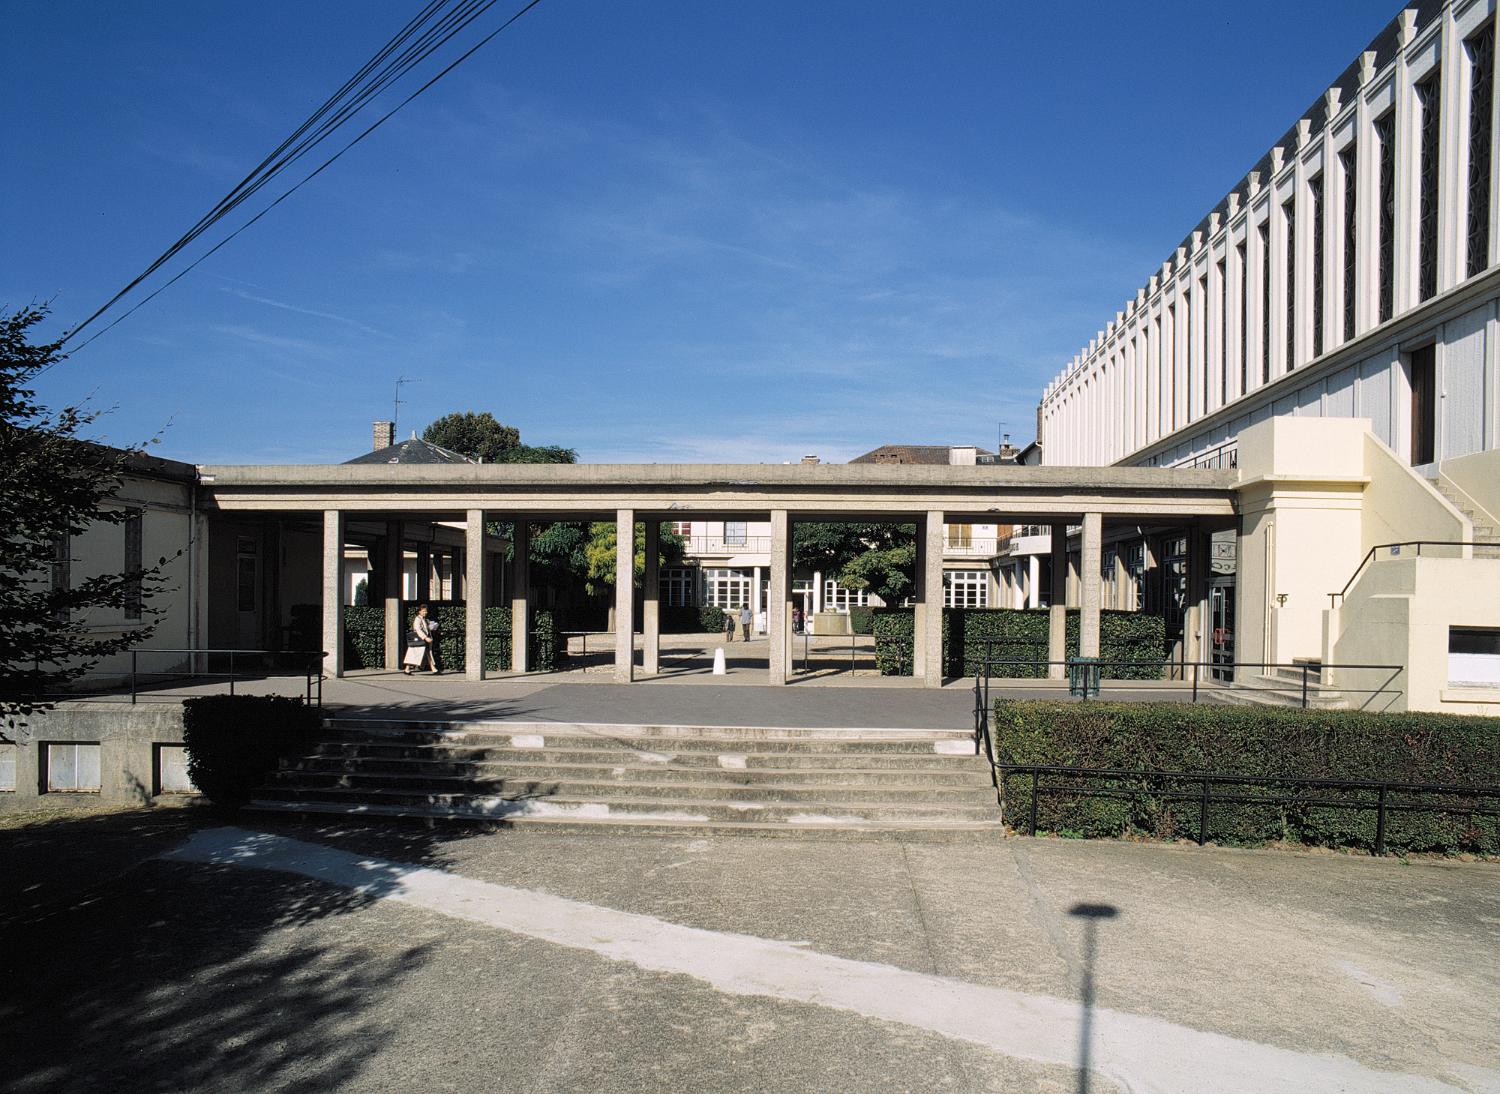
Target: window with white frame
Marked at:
966, 588
726, 588
682, 527
171, 771
734, 533
836, 598
73, 766
676, 588
7, 768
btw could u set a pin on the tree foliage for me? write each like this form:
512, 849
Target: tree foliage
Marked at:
55, 486
600, 554
880, 557
481, 437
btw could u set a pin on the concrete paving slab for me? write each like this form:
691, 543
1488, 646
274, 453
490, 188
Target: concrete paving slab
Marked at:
189, 976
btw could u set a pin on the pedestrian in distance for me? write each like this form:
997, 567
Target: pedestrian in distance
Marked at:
419, 647
729, 625
745, 621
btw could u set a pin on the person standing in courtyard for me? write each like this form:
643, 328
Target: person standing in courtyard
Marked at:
729, 624
745, 621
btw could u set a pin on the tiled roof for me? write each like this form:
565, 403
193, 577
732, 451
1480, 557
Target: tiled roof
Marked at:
414, 450
911, 453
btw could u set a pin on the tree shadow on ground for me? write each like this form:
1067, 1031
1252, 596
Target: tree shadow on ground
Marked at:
125, 971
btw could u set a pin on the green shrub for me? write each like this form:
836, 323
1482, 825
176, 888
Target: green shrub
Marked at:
1131, 643
495, 646
686, 619
364, 637
1255, 741
862, 620
234, 742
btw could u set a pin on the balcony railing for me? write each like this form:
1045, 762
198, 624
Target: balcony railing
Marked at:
973, 547
718, 545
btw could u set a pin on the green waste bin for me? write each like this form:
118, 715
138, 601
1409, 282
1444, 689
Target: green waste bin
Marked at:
1083, 677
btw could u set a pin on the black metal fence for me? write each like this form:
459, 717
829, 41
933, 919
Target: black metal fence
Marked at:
232, 666
1208, 789
1195, 679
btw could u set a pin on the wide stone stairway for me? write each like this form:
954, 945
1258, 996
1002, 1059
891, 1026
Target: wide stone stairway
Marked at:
769, 781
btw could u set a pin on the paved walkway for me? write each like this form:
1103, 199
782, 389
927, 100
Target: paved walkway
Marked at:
314, 957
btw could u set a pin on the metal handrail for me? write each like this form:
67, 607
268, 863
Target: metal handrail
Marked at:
1205, 781
1333, 598
313, 673
1305, 668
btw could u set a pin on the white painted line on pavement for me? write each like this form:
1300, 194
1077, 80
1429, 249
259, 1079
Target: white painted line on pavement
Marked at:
1144, 1055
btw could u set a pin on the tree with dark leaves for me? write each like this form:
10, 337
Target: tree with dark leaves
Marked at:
54, 485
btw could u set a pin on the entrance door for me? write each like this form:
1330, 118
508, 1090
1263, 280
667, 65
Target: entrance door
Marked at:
247, 594
1221, 638
1423, 405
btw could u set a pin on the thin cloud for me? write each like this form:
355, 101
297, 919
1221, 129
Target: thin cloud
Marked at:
314, 312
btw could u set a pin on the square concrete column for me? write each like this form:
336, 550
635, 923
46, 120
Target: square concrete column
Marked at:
1090, 563
932, 596
624, 596
651, 601
1034, 581
1195, 623
779, 615
919, 605
394, 562
520, 596
1057, 619
474, 595
333, 592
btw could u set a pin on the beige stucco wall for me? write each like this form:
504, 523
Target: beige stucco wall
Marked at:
1399, 613
1478, 476
1400, 505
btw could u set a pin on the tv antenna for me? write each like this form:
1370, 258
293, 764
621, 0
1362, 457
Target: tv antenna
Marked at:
396, 408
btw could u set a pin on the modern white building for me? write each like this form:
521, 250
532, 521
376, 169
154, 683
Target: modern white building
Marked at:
1351, 274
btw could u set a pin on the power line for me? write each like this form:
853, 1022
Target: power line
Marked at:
322, 125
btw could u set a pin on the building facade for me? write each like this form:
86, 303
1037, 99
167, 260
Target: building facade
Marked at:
1351, 277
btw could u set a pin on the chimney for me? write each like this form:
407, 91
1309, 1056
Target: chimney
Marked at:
811, 459
385, 435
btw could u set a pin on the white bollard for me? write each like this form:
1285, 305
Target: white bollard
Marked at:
719, 661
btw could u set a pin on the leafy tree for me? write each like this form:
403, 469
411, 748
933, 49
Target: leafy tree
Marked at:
537, 453
478, 436
599, 554
54, 486
877, 556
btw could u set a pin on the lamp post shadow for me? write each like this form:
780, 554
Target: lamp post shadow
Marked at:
1091, 914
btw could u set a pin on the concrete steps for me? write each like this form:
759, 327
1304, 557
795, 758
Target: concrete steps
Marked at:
1483, 532
920, 784
1283, 688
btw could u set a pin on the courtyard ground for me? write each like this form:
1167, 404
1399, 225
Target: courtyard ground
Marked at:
159, 950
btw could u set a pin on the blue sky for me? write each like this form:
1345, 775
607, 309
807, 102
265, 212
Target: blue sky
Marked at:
659, 232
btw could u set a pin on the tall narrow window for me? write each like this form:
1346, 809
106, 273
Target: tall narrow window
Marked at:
1348, 161
1429, 101
62, 572
1188, 305
1289, 216
1481, 49
1385, 137
1239, 260
1223, 334
1203, 338
1169, 370
1265, 302
133, 564
1315, 198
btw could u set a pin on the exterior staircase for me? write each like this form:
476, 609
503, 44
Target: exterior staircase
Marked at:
902, 784
1484, 533
1282, 687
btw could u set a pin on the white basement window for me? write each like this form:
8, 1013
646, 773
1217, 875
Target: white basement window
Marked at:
7, 768
171, 771
1474, 656
73, 767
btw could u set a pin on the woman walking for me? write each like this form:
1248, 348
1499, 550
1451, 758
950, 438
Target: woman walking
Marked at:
419, 647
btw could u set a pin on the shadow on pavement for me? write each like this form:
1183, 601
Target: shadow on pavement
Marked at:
126, 971
1092, 915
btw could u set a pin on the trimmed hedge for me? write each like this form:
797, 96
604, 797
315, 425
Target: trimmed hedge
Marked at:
234, 742
685, 619
364, 637
862, 620
1447, 749
1021, 635
452, 628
